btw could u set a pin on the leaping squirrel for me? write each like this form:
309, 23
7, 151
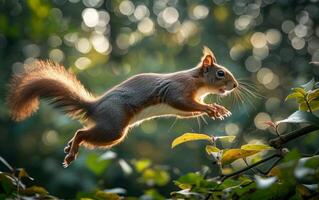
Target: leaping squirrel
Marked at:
111, 115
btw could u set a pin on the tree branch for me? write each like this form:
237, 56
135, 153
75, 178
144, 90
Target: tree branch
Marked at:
283, 139
224, 177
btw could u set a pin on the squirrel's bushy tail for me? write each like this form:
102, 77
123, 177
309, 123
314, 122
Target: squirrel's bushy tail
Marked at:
50, 81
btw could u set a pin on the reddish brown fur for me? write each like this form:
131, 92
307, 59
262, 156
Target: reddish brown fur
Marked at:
48, 80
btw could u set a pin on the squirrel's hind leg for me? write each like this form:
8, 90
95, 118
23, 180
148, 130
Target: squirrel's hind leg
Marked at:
93, 137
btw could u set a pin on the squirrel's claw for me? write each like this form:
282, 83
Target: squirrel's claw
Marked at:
68, 159
218, 112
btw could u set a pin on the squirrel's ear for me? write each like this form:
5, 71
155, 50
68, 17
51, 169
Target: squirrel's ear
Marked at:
208, 57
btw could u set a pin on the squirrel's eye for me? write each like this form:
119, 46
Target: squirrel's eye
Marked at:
220, 74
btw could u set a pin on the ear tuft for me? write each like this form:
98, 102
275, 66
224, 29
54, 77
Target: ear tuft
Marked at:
208, 57
207, 51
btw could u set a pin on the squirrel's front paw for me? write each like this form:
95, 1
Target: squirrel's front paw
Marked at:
218, 111
213, 113
222, 110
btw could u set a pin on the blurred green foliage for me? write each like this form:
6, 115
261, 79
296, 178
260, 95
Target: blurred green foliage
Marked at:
270, 43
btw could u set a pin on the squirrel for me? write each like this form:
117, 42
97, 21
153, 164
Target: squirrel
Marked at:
128, 104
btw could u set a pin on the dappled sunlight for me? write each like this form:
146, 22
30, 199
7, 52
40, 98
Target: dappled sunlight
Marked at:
271, 48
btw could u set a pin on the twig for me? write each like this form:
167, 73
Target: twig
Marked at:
224, 177
279, 141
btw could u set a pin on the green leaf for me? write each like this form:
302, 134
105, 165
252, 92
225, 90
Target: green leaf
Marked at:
257, 147
295, 95
7, 183
35, 190
308, 86
24, 174
154, 194
155, 177
301, 117
95, 164
141, 164
190, 137
101, 195
313, 94
231, 155
189, 180
314, 105
299, 90
210, 150
227, 138
303, 106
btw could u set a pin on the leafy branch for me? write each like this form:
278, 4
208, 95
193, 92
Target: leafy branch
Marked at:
237, 182
283, 139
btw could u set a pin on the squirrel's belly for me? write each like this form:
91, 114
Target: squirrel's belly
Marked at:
159, 110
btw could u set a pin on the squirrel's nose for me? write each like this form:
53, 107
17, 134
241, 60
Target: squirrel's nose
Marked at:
235, 85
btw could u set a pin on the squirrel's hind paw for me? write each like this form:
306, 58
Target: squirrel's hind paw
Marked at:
68, 159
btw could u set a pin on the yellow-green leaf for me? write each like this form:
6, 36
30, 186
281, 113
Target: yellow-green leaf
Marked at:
295, 95
257, 147
211, 149
303, 106
34, 190
312, 95
23, 173
226, 138
190, 137
231, 155
300, 90
314, 105
100, 195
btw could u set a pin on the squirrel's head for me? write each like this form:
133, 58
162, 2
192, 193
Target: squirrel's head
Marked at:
219, 79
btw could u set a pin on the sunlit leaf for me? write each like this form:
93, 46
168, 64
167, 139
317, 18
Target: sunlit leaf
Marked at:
303, 106
211, 149
314, 105
24, 174
187, 137
313, 94
228, 138
300, 90
153, 194
187, 180
295, 95
141, 164
231, 155
301, 117
153, 177
101, 195
263, 183
95, 164
35, 190
257, 147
